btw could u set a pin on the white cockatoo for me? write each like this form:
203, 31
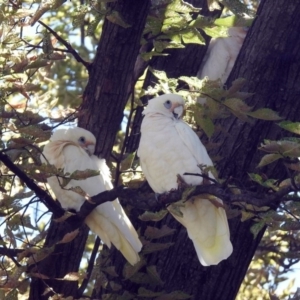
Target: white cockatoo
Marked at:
72, 149
222, 54
169, 147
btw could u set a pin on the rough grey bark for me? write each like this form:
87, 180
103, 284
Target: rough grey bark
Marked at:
64, 259
111, 75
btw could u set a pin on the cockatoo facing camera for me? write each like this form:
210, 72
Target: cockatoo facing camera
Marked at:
168, 147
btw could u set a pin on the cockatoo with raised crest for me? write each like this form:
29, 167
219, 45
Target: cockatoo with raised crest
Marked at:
169, 147
72, 149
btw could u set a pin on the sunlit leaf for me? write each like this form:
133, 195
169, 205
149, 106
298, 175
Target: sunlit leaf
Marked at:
290, 126
150, 216
268, 159
256, 228
265, 114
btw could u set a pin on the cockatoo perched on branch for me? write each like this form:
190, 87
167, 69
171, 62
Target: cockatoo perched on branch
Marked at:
222, 54
168, 147
72, 149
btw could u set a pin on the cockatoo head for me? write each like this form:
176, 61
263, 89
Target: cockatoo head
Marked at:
78, 136
170, 105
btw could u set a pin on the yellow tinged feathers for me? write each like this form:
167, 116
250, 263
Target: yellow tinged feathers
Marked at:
168, 147
72, 149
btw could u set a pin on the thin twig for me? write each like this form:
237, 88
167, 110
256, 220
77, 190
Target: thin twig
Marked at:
89, 268
68, 46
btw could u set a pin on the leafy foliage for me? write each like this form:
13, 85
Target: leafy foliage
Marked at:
40, 88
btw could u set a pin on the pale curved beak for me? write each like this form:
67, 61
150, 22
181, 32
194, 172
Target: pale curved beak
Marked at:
178, 111
90, 149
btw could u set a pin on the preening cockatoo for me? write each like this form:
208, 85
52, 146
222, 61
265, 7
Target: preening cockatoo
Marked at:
168, 147
221, 55
72, 149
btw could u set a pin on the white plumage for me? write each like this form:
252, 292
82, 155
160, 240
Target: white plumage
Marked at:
72, 149
222, 54
169, 147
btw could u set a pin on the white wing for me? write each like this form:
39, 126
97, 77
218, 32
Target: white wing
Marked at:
108, 220
216, 60
168, 148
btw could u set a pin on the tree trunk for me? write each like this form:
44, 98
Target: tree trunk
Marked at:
104, 100
111, 76
269, 60
65, 258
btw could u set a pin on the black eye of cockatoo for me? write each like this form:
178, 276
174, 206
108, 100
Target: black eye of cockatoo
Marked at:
72, 149
169, 147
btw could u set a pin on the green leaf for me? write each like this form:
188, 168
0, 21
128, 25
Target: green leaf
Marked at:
111, 270
265, 114
268, 159
151, 216
116, 18
200, 22
290, 126
115, 286
256, 228
155, 277
237, 7
191, 81
174, 209
206, 124
216, 32
193, 36
142, 292
284, 147
159, 74
148, 55
156, 233
182, 7
140, 278
40, 255
126, 296
238, 108
228, 21
235, 86
154, 247
161, 45
247, 215
129, 270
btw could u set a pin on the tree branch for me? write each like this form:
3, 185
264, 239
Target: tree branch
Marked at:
44, 196
68, 46
148, 201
